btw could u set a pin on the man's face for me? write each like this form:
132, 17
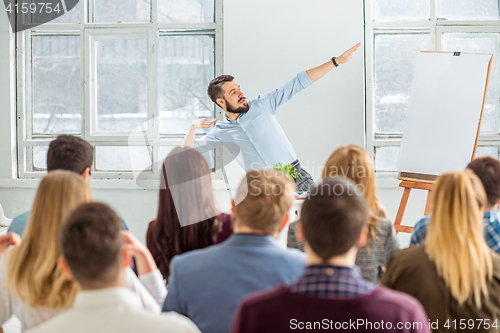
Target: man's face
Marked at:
234, 99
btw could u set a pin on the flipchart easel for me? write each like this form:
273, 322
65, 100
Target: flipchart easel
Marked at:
426, 182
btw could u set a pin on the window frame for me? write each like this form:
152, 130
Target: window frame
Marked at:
436, 28
89, 33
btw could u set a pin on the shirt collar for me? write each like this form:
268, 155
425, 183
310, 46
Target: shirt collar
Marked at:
331, 270
105, 298
490, 216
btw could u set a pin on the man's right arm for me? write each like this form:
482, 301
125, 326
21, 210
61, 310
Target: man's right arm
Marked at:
191, 134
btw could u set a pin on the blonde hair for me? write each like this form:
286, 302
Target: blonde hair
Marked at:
263, 199
455, 239
353, 162
32, 271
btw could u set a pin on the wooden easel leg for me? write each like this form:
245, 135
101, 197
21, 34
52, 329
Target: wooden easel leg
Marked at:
428, 204
401, 210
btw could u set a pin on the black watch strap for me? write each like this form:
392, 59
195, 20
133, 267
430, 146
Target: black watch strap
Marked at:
334, 62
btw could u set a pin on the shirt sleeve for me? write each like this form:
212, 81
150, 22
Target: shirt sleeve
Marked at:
391, 245
5, 299
153, 282
147, 300
206, 145
419, 232
173, 301
283, 94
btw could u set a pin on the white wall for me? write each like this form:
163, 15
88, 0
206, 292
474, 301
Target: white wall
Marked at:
265, 44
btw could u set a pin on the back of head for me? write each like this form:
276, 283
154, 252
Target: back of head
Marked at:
332, 217
354, 163
263, 200
71, 153
32, 268
91, 243
488, 170
187, 212
214, 90
455, 239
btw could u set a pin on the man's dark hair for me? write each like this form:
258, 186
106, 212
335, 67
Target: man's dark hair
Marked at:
332, 217
487, 169
215, 87
71, 153
91, 243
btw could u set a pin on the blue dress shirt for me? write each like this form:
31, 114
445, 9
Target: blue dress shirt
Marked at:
257, 133
491, 230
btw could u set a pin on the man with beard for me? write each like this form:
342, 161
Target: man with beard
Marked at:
252, 125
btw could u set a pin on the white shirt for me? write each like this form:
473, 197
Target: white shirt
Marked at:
113, 310
11, 304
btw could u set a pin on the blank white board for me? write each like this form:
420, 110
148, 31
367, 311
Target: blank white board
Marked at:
444, 112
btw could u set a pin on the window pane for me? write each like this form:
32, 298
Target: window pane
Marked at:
186, 11
481, 43
390, 10
487, 151
123, 158
386, 159
186, 67
395, 58
121, 84
72, 16
130, 11
468, 9
56, 84
40, 157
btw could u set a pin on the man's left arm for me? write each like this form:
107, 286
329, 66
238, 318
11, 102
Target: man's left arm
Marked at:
317, 73
283, 94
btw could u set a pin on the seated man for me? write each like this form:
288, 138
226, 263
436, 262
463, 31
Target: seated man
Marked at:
487, 169
331, 294
207, 285
94, 255
67, 152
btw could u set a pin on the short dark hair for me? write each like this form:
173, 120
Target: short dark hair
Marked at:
91, 243
68, 152
332, 217
214, 90
487, 169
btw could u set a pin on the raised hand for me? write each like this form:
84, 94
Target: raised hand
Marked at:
203, 122
11, 239
347, 55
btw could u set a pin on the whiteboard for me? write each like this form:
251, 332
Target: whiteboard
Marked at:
445, 107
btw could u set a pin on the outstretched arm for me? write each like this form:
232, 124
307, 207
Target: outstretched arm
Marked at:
191, 134
317, 73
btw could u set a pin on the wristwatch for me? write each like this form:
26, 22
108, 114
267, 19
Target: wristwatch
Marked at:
334, 62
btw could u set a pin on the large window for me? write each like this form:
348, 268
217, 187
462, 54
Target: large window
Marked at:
396, 31
128, 76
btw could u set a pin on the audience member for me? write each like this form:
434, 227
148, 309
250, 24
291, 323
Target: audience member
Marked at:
207, 285
331, 294
488, 170
32, 287
187, 215
453, 274
354, 163
95, 255
66, 152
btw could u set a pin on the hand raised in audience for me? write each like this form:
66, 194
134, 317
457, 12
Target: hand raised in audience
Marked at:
11, 239
143, 258
203, 122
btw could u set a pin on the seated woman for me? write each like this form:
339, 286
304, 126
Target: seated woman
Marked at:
353, 162
32, 286
454, 274
187, 215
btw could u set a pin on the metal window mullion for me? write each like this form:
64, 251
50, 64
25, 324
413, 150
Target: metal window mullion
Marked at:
21, 102
218, 70
433, 13
369, 87
153, 129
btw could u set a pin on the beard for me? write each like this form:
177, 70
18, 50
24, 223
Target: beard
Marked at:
240, 109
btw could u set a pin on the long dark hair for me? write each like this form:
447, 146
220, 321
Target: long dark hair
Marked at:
187, 216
